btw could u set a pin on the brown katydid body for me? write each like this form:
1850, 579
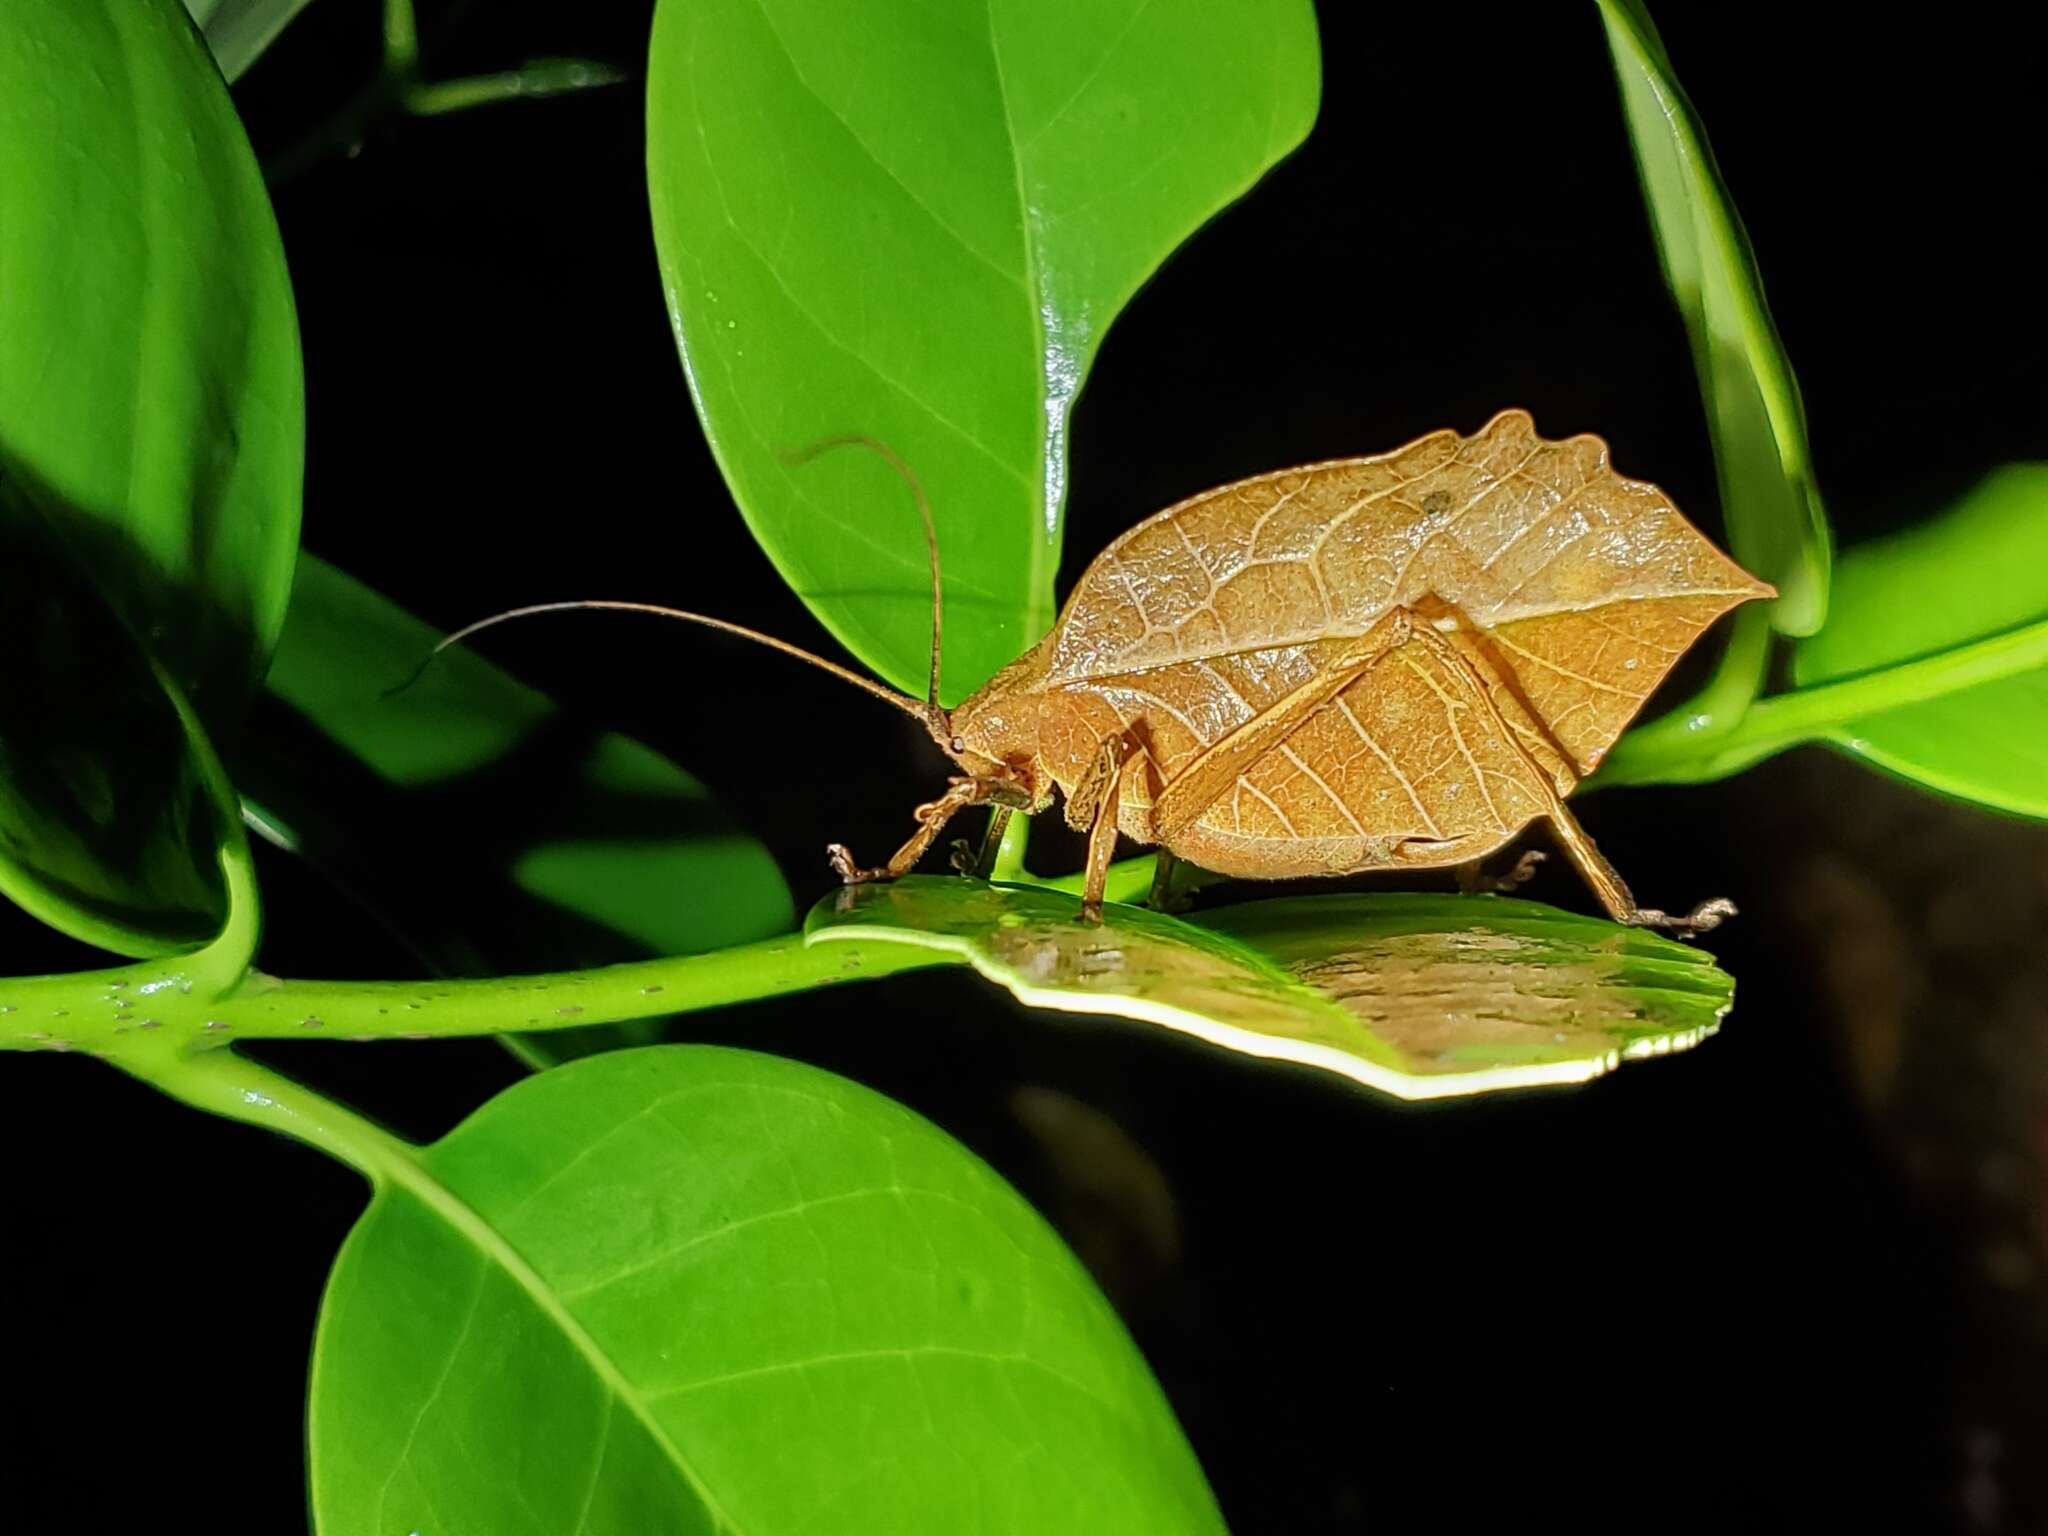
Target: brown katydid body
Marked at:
1393, 662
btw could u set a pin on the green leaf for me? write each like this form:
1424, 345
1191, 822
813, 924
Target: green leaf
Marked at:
1776, 524
689, 1289
917, 223
117, 824
1977, 571
239, 30
616, 853
1416, 996
150, 376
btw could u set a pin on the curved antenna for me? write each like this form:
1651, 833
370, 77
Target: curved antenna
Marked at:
908, 705
908, 476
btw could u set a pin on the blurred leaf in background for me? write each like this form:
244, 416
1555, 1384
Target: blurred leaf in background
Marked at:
1978, 570
1776, 524
239, 30
488, 831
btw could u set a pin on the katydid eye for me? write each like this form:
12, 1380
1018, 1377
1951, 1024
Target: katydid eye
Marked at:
959, 745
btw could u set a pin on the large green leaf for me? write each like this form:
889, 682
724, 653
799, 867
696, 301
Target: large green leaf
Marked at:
916, 222
115, 818
687, 1289
1416, 996
1979, 570
150, 372
617, 853
239, 30
1776, 524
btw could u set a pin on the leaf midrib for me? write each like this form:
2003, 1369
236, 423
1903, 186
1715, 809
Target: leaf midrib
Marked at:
407, 1171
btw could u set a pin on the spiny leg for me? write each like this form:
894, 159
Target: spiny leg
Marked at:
931, 820
1613, 891
1591, 864
1118, 754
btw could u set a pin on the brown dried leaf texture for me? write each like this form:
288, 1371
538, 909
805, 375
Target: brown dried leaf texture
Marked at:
1568, 590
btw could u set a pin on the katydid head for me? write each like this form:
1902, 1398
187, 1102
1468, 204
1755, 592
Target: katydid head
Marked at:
994, 734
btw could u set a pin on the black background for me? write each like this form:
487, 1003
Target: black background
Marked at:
1746, 1286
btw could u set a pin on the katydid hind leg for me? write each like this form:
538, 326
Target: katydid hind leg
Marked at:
1588, 860
1613, 891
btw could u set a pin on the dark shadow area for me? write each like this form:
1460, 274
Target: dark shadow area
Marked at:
116, 827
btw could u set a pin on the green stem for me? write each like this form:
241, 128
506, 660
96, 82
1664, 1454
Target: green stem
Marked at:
1807, 714
140, 1009
1717, 708
401, 39
236, 1088
1009, 865
1129, 880
542, 77
400, 88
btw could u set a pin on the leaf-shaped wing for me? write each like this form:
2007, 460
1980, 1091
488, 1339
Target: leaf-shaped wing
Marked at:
1581, 588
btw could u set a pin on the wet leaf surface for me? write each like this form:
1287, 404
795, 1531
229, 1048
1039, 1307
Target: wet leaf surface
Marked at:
1418, 996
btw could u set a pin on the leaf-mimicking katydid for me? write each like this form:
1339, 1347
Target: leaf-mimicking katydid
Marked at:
1392, 662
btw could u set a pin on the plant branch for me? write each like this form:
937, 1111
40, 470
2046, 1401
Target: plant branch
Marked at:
541, 77
1808, 714
138, 1010
401, 87
232, 1086
401, 39
1016, 841
1129, 880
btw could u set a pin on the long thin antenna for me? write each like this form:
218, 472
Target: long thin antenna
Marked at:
909, 706
908, 476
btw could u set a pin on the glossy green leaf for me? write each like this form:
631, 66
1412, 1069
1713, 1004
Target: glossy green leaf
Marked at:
1979, 570
615, 853
115, 817
1417, 996
689, 1289
150, 374
239, 30
916, 222
1776, 524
